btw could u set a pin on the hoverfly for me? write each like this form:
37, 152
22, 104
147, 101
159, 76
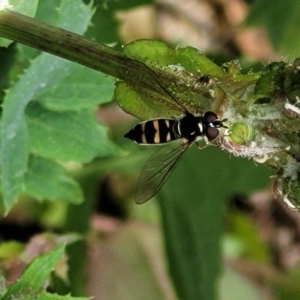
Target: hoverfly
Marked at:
187, 129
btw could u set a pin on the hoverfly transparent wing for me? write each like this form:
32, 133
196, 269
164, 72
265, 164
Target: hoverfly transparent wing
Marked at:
143, 78
157, 170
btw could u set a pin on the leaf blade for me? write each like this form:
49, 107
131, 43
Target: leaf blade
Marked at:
14, 135
45, 179
34, 276
67, 136
192, 206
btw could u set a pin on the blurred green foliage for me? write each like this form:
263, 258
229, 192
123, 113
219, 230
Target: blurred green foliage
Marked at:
280, 19
48, 120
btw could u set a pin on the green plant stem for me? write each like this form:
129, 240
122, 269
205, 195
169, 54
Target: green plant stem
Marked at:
62, 43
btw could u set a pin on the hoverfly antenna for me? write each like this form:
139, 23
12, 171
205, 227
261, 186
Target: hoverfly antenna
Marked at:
219, 123
222, 125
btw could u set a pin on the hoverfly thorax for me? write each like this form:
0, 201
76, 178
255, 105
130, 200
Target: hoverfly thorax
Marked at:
189, 127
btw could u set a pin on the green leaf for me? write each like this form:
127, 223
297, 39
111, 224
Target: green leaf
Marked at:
192, 206
14, 151
47, 14
44, 70
105, 25
48, 296
168, 73
24, 7
124, 4
131, 102
281, 20
79, 88
45, 179
33, 278
67, 136
157, 52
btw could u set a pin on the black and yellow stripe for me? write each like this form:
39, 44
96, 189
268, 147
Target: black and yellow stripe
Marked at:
156, 131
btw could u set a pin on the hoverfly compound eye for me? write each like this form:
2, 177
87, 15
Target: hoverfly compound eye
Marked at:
212, 123
210, 117
212, 133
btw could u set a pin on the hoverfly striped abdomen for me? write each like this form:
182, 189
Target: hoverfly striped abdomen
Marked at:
156, 131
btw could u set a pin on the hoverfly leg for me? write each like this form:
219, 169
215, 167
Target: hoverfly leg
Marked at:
201, 147
198, 146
